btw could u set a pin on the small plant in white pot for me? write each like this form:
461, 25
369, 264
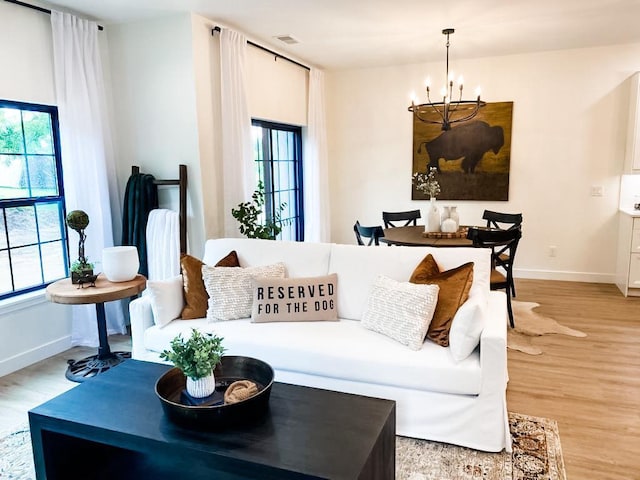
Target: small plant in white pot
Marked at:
196, 357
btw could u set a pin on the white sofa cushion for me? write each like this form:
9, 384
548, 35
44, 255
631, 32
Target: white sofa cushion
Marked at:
302, 259
358, 267
342, 349
400, 310
466, 329
166, 299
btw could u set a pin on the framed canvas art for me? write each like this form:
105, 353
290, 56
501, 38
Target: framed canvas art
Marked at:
472, 158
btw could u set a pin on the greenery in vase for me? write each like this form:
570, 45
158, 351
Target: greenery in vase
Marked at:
250, 216
427, 183
196, 356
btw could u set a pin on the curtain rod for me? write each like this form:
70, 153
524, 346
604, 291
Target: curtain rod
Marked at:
276, 54
39, 9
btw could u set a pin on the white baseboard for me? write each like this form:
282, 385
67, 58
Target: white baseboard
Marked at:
24, 359
565, 276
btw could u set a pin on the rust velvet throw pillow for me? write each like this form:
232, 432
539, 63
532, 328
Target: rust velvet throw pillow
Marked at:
195, 294
454, 290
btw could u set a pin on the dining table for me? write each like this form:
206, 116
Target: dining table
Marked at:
414, 236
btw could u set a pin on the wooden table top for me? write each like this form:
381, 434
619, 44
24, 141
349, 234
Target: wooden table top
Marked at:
412, 237
63, 291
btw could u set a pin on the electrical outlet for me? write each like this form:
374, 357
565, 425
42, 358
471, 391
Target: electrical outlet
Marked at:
553, 250
597, 190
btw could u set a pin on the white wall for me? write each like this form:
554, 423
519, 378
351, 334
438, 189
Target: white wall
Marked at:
155, 116
31, 328
569, 123
165, 76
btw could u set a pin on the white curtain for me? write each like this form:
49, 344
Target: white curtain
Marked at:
237, 158
87, 164
317, 226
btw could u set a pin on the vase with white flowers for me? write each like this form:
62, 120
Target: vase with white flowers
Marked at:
427, 184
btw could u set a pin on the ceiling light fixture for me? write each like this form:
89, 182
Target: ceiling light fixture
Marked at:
447, 111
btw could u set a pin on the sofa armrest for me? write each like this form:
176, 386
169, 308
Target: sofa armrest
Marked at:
141, 318
493, 344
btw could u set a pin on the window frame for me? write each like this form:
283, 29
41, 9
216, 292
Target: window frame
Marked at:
268, 179
33, 201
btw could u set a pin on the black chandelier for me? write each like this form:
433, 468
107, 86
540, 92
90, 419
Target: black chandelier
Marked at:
448, 110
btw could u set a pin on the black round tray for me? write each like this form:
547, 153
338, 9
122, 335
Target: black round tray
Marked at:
169, 388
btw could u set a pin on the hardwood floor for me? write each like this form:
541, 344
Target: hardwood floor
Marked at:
33, 385
591, 385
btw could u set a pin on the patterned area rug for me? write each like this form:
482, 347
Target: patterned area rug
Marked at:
531, 324
536, 456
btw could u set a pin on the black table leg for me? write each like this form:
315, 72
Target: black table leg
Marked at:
79, 371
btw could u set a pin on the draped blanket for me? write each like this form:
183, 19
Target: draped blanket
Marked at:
163, 244
140, 197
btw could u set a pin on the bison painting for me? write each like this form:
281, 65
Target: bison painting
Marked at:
468, 141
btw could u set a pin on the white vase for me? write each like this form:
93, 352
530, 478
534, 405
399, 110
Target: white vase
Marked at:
202, 387
454, 216
120, 264
446, 213
449, 225
433, 217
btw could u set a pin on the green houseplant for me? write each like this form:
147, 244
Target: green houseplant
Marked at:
78, 220
196, 357
250, 216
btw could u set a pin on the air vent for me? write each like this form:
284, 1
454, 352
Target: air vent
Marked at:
288, 39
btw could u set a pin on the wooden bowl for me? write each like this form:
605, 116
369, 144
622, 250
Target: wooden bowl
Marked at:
231, 368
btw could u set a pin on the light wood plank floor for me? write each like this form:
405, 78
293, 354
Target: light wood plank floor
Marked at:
591, 385
27, 388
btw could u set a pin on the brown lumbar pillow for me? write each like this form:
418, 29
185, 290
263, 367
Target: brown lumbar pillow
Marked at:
195, 294
454, 290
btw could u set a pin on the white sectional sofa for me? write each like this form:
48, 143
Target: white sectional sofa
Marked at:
437, 398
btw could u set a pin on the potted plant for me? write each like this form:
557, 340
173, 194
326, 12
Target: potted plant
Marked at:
78, 220
196, 357
250, 215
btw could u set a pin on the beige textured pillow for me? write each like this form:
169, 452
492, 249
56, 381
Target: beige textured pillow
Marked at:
195, 295
295, 299
454, 290
230, 289
400, 310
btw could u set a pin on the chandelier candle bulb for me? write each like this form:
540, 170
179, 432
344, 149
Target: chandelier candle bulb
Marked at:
442, 113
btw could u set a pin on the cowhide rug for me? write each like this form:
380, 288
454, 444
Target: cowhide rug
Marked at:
531, 324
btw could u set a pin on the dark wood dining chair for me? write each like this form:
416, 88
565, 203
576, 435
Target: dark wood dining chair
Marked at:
503, 221
499, 240
409, 218
373, 234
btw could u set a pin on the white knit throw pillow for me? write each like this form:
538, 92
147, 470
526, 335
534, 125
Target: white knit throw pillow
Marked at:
230, 289
400, 310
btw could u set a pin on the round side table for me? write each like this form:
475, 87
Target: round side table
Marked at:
63, 291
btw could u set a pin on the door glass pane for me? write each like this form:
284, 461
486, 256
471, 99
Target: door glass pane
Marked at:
43, 176
53, 261
37, 132
49, 221
5, 273
10, 131
13, 177
21, 223
26, 267
3, 232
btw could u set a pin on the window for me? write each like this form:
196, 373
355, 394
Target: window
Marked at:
278, 159
33, 246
